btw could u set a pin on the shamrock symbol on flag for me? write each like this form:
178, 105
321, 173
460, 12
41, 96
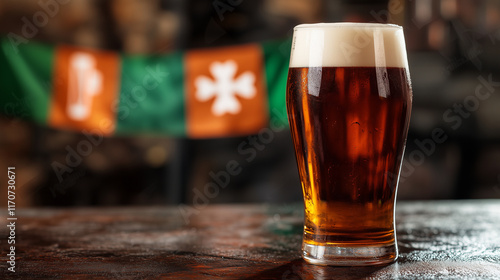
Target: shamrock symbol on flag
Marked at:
225, 87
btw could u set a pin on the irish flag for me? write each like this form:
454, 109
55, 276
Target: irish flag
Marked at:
205, 93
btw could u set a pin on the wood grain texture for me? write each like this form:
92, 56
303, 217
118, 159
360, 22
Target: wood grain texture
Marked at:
437, 240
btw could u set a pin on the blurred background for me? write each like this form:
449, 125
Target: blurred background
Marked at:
453, 49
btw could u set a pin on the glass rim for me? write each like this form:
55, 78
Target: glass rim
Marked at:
370, 25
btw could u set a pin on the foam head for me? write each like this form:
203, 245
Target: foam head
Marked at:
348, 45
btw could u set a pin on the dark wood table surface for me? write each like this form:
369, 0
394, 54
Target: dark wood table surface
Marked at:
437, 240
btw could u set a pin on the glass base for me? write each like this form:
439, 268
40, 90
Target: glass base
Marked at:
349, 256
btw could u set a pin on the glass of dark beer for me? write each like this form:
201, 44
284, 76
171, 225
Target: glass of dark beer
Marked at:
349, 102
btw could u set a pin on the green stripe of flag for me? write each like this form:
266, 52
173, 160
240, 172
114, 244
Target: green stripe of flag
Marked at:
26, 80
152, 95
276, 59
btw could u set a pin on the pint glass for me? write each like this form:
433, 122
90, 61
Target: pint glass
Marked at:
349, 103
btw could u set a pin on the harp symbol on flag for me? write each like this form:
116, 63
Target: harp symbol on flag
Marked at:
85, 82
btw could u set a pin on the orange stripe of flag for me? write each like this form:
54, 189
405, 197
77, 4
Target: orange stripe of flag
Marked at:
85, 90
225, 91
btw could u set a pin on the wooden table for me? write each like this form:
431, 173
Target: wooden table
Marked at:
437, 240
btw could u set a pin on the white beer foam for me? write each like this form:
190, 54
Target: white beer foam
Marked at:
348, 45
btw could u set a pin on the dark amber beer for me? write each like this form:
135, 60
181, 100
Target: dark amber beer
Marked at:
349, 113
